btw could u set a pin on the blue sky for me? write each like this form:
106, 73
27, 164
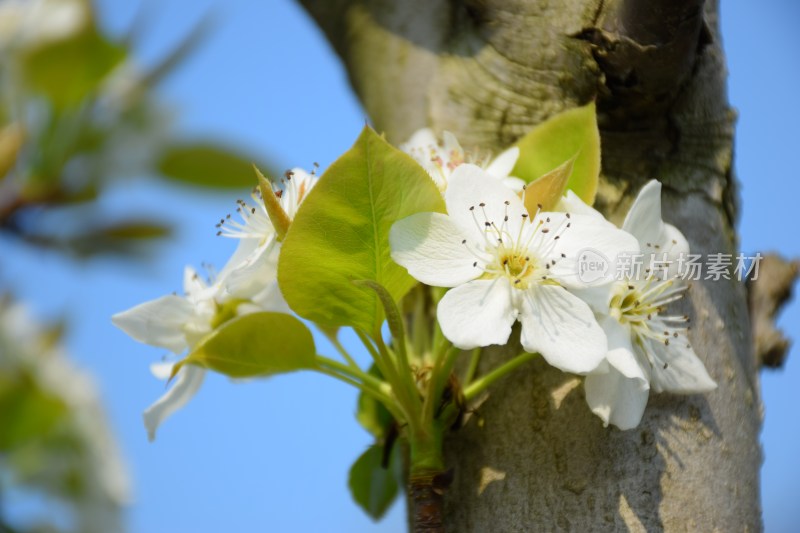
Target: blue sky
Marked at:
274, 455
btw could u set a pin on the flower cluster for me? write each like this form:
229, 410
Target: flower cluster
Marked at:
504, 264
502, 260
246, 284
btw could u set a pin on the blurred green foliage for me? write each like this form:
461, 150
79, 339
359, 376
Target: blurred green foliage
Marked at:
77, 113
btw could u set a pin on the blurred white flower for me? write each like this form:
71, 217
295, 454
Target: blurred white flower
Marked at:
33, 363
28, 23
441, 159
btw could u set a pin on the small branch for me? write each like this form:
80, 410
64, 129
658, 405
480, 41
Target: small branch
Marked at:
766, 297
427, 500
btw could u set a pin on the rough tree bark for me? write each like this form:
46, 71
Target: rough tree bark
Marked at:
489, 70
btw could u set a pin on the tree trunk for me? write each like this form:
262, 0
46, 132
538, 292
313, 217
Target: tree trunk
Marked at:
489, 70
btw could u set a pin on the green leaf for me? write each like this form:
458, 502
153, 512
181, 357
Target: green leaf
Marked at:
28, 412
372, 414
341, 234
207, 165
70, 69
374, 487
556, 140
548, 190
259, 344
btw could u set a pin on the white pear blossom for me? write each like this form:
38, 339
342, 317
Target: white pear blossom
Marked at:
441, 159
251, 272
504, 266
179, 323
34, 365
647, 347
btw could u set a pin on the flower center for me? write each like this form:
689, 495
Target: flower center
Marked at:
640, 304
515, 249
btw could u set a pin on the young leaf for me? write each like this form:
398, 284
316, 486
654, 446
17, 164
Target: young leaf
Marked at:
559, 138
206, 165
374, 487
259, 344
341, 234
548, 190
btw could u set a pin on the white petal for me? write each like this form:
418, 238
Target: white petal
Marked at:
257, 271
186, 386
684, 372
562, 328
468, 187
616, 399
421, 139
504, 163
515, 184
244, 250
621, 354
429, 246
572, 203
599, 297
586, 242
162, 370
159, 322
192, 282
643, 220
269, 298
451, 145
478, 313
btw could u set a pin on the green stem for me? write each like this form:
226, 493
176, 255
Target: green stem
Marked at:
474, 359
383, 361
480, 384
405, 378
445, 359
334, 338
369, 384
